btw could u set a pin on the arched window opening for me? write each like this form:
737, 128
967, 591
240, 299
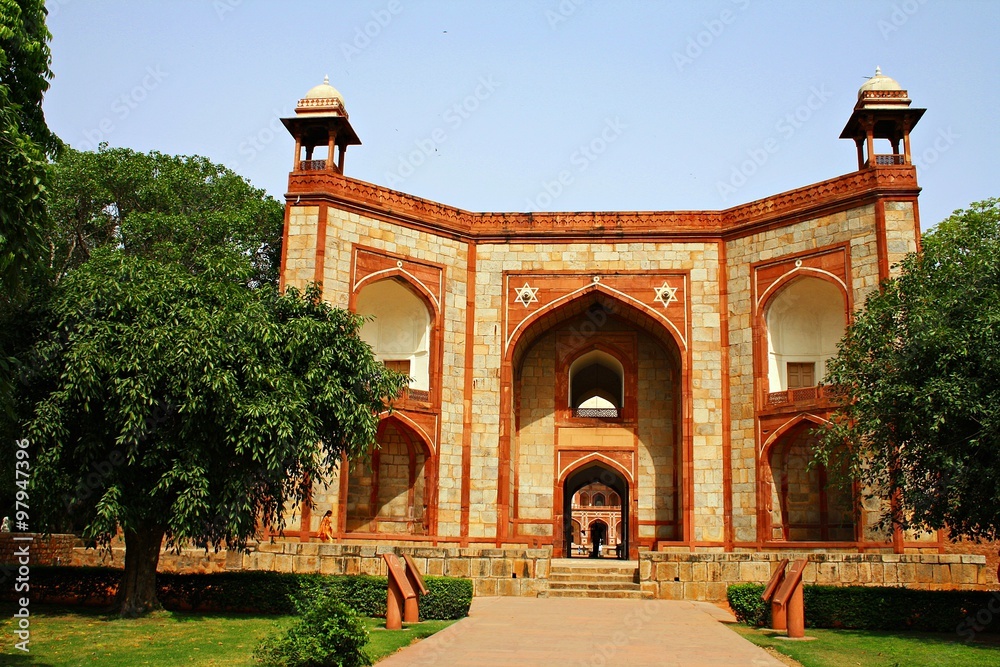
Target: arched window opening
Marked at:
398, 328
596, 385
805, 506
584, 499
805, 320
614, 500
599, 500
389, 493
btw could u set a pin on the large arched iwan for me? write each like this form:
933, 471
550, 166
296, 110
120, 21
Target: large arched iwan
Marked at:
598, 306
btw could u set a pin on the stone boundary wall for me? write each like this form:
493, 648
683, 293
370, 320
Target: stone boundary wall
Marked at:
524, 572
507, 572
693, 576
42, 550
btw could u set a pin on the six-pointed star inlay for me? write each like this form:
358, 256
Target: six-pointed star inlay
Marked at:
526, 295
665, 294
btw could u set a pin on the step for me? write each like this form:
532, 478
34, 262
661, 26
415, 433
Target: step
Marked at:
574, 576
593, 586
585, 593
562, 569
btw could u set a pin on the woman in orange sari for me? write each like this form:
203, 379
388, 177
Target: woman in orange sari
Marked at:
326, 527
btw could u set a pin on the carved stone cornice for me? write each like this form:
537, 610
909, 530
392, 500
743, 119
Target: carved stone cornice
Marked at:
810, 201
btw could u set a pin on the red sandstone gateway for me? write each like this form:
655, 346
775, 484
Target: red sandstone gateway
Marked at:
666, 364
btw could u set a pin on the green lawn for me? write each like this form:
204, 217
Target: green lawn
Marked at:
70, 638
849, 648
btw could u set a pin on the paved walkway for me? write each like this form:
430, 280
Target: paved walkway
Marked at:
573, 632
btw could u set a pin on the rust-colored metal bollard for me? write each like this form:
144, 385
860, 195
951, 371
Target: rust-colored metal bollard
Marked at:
400, 591
411, 610
790, 597
777, 610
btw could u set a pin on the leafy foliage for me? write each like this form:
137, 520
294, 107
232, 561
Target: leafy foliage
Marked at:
249, 591
329, 634
919, 413
447, 598
747, 605
873, 607
192, 403
176, 208
25, 140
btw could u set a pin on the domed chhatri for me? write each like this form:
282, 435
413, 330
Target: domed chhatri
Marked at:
322, 100
879, 82
321, 129
883, 111
324, 91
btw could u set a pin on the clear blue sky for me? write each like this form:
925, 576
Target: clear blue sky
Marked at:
669, 97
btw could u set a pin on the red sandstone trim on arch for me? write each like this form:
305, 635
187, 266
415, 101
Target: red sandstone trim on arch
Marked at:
679, 337
613, 466
788, 426
764, 299
798, 273
402, 274
422, 292
414, 436
425, 438
563, 386
765, 477
598, 458
642, 319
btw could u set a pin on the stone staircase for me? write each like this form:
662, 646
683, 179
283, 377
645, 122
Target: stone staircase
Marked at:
585, 578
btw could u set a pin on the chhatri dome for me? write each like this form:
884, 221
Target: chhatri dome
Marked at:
324, 91
879, 82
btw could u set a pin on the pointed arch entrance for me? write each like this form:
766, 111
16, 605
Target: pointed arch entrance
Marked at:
585, 474
639, 366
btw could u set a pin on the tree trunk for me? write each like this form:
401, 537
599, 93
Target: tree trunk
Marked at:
137, 592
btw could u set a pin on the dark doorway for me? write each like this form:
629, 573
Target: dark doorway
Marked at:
588, 474
598, 537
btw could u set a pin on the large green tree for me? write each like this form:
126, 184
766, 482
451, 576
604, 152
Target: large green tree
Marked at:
167, 388
164, 206
25, 140
177, 401
146, 205
919, 370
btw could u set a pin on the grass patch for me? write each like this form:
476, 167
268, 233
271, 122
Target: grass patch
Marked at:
874, 648
386, 642
62, 637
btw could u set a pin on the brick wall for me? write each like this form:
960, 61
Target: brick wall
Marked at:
42, 550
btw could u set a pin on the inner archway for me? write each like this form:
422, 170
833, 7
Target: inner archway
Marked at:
596, 474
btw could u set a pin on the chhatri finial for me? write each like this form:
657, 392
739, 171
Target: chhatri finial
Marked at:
326, 79
878, 71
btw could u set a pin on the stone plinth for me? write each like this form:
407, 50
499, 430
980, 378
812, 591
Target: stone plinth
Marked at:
705, 576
